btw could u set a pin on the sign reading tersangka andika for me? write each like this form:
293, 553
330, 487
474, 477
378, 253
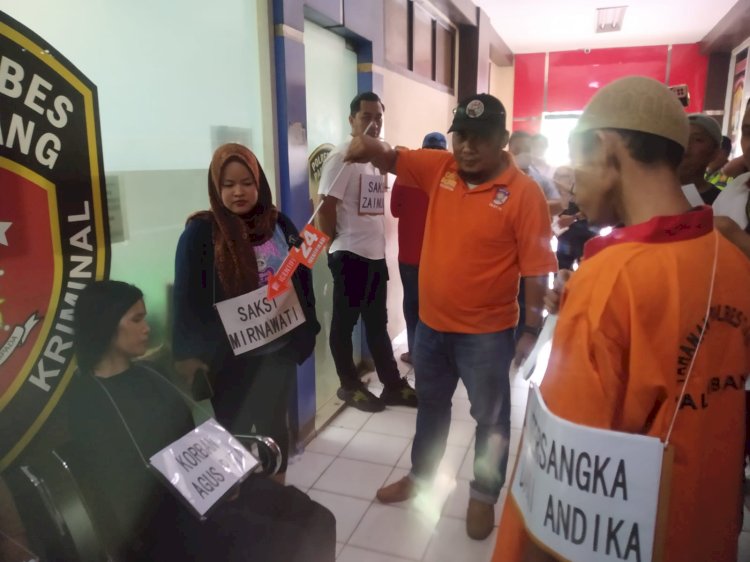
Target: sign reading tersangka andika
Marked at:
587, 494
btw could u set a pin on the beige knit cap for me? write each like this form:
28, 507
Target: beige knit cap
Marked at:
637, 103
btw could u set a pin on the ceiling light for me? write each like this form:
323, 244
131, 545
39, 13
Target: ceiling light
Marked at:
609, 19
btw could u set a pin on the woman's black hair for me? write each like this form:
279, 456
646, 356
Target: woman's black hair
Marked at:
98, 311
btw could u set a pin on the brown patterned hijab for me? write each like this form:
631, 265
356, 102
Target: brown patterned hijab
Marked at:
235, 235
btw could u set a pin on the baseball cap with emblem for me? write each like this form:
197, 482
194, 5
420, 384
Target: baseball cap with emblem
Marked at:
708, 124
636, 103
480, 112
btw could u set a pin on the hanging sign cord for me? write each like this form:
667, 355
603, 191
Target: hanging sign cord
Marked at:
700, 341
161, 377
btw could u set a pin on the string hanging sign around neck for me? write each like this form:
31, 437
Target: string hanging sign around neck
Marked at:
589, 494
668, 450
262, 316
202, 466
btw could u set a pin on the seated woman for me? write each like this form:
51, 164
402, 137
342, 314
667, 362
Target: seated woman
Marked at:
121, 413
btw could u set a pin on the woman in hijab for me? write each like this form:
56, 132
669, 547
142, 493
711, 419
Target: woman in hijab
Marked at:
121, 413
228, 251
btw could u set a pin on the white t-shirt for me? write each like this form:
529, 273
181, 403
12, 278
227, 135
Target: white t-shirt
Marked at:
363, 235
732, 201
693, 195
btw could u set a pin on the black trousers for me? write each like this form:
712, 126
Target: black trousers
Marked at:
251, 395
359, 289
268, 522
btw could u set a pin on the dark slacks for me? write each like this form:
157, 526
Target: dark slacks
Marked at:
359, 289
410, 281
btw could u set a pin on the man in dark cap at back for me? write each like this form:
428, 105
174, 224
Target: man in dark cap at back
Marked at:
487, 228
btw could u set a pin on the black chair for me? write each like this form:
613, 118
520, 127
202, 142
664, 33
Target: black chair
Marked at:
61, 527
53, 511
266, 450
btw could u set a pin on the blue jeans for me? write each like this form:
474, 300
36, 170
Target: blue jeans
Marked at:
482, 362
410, 281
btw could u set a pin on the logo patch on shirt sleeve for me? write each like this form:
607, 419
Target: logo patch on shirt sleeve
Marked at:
501, 196
449, 181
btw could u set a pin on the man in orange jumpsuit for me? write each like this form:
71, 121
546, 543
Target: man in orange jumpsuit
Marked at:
631, 318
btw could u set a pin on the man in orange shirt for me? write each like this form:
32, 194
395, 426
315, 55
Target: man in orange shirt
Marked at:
634, 331
487, 227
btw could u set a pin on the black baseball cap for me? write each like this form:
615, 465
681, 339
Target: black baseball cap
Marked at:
480, 112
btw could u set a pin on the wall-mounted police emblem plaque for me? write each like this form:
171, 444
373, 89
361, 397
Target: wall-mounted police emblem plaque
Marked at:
53, 230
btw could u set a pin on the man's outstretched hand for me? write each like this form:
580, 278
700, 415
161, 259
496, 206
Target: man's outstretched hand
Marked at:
364, 148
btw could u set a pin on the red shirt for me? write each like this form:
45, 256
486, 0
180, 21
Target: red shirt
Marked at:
409, 205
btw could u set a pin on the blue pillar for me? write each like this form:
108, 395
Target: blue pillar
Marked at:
291, 124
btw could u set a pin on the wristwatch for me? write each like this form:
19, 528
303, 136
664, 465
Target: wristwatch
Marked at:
531, 330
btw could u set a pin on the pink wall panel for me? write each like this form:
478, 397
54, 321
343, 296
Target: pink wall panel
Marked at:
690, 67
531, 126
528, 93
574, 76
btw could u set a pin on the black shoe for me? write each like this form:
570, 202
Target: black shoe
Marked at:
400, 395
361, 399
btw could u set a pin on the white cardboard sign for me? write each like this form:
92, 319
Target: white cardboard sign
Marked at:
252, 320
587, 494
371, 195
204, 464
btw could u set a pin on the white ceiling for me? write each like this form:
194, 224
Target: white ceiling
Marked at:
530, 26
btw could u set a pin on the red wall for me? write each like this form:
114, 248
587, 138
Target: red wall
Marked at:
574, 76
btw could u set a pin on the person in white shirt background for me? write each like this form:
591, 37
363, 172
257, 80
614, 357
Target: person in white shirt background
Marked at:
733, 201
352, 215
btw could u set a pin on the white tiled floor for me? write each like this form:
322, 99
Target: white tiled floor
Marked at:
359, 452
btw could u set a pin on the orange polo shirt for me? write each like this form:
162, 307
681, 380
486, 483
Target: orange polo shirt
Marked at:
477, 243
627, 330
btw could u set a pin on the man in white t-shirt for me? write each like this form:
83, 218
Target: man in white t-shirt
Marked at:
352, 215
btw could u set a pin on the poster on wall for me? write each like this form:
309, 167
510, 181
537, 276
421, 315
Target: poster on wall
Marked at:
54, 235
315, 169
737, 95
